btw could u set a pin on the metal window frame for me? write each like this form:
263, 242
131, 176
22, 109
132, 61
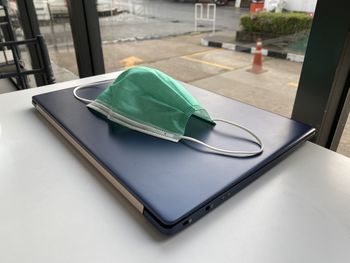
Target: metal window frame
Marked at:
21, 73
322, 98
86, 36
30, 25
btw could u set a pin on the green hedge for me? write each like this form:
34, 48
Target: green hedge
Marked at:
276, 23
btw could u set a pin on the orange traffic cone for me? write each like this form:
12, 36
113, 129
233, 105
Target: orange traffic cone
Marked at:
257, 66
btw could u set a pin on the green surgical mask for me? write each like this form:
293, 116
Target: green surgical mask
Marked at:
149, 101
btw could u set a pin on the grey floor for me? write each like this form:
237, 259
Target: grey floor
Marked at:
6, 86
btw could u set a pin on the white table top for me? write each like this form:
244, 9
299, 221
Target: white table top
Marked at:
55, 207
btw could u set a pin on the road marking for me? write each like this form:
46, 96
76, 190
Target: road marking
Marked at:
293, 84
129, 62
205, 52
207, 63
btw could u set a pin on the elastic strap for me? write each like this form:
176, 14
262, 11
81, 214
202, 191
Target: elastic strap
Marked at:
230, 152
80, 98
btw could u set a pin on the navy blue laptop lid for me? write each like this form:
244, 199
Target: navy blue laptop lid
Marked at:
173, 180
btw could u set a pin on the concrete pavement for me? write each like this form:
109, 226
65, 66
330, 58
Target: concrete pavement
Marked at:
144, 19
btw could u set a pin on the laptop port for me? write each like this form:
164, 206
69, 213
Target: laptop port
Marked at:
188, 221
208, 207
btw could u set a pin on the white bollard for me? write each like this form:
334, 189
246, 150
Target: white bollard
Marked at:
200, 16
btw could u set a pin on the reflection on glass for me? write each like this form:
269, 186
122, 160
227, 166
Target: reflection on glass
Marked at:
11, 30
55, 27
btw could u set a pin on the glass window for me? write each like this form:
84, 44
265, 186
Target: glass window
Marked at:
55, 27
251, 51
214, 47
11, 30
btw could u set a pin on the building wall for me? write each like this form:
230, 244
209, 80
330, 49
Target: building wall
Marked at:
301, 5
296, 5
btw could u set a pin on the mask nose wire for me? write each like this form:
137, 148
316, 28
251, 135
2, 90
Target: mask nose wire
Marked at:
80, 98
231, 152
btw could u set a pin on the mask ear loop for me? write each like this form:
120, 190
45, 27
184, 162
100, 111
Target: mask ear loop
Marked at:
80, 98
230, 152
